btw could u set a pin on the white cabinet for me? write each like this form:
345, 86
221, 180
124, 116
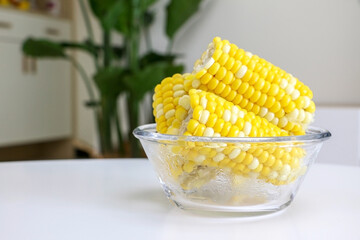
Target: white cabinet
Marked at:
35, 95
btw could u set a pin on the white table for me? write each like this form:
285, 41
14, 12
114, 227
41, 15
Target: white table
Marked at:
121, 199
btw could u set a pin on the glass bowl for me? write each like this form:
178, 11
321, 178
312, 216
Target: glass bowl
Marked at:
237, 175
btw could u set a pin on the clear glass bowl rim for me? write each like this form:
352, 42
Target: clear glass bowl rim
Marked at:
148, 132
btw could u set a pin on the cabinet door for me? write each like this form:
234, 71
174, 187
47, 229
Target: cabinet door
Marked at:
54, 77
33, 106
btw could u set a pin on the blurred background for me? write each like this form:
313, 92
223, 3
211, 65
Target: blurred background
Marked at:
53, 52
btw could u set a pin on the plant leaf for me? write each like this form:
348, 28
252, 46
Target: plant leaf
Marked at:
118, 14
145, 4
146, 79
148, 18
43, 48
171, 70
113, 14
118, 52
178, 12
101, 7
110, 81
153, 57
123, 22
92, 104
129, 9
81, 46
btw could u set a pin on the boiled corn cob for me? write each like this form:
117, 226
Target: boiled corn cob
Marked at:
181, 110
201, 113
255, 85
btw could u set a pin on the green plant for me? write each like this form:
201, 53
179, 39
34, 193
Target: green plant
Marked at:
120, 69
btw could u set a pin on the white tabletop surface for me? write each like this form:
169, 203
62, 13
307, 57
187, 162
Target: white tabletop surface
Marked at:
122, 199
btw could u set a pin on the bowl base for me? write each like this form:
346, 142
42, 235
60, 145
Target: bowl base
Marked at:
232, 211
204, 208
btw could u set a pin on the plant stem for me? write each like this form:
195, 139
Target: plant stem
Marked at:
88, 28
84, 77
107, 47
147, 39
133, 45
80, 46
121, 148
107, 107
169, 46
98, 119
133, 111
132, 51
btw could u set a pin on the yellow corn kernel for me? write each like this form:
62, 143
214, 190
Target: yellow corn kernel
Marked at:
205, 79
243, 88
247, 76
213, 83
249, 92
226, 91
230, 63
223, 59
264, 156
226, 129
216, 55
270, 102
259, 84
277, 165
199, 131
220, 74
231, 95
219, 125
270, 161
265, 171
237, 99
311, 107
214, 68
234, 131
254, 79
189, 166
236, 67
212, 120
201, 73
290, 107
229, 78
192, 125
180, 113
197, 112
236, 84
248, 159
276, 107
274, 90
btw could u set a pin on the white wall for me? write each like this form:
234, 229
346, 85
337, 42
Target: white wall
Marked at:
344, 145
